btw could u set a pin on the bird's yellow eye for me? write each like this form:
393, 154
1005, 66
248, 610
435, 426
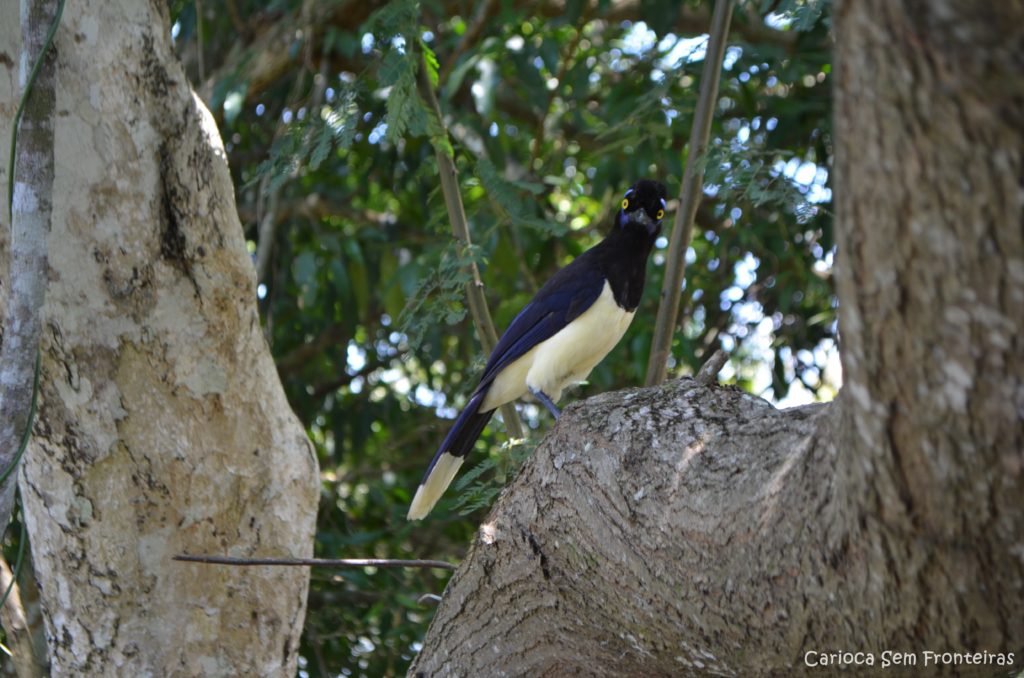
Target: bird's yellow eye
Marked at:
625, 203
661, 213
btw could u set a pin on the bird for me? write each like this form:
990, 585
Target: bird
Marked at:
568, 327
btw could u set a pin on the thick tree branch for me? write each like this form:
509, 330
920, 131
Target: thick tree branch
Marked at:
639, 540
689, 529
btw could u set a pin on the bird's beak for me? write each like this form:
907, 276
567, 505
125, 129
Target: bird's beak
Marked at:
641, 218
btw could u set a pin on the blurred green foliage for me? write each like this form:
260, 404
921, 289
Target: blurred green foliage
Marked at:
552, 111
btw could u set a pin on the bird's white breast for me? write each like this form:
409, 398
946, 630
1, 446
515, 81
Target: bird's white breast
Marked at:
567, 357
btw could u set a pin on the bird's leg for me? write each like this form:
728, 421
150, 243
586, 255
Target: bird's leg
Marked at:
546, 401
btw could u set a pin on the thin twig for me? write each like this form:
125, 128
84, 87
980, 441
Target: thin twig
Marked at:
689, 196
708, 373
460, 229
314, 562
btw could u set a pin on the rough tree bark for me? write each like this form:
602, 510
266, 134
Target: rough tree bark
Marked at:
163, 427
688, 529
21, 307
30, 224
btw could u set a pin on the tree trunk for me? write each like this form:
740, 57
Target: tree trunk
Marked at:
688, 529
163, 427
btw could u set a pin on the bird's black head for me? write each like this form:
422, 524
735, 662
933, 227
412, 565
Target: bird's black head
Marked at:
643, 206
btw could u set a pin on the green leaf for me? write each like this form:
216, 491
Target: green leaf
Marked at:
430, 62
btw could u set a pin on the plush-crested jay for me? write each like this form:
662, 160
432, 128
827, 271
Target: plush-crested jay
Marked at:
572, 323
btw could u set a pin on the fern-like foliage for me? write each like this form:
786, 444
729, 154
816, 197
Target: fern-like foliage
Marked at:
750, 175
508, 198
480, 486
397, 26
310, 141
398, 71
398, 18
440, 296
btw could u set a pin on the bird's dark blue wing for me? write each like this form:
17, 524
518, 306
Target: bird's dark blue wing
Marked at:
564, 297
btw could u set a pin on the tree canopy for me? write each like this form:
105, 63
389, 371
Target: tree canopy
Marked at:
550, 111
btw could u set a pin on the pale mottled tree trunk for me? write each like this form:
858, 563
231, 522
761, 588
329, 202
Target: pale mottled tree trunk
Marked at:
163, 427
690, 529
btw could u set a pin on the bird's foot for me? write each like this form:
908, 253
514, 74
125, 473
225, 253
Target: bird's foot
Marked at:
546, 401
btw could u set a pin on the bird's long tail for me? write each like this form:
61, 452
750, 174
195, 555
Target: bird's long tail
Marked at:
457, 444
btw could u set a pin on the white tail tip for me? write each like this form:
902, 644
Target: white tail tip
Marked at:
429, 492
